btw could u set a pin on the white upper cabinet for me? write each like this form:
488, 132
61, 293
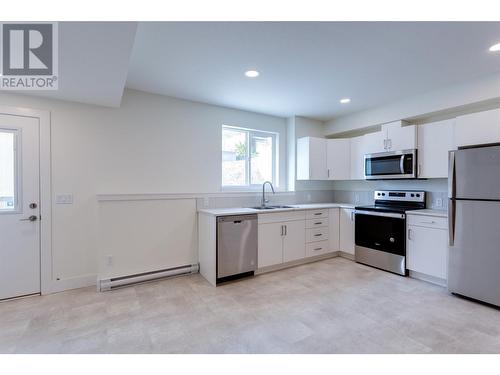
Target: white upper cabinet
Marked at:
435, 140
478, 128
374, 142
393, 137
311, 159
398, 137
338, 156
358, 152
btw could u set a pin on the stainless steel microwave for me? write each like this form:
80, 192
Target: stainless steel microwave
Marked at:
391, 165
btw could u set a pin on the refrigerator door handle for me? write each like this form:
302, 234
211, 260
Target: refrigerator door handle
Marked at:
451, 222
451, 175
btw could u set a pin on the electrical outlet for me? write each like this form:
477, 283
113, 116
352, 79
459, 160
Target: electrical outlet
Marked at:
439, 202
109, 260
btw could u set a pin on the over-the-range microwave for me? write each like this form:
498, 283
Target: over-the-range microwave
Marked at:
391, 165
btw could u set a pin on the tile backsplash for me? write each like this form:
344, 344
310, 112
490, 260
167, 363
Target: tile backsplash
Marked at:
356, 192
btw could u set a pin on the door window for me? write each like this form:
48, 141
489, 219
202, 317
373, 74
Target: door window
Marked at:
9, 199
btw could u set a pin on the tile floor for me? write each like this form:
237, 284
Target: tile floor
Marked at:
332, 306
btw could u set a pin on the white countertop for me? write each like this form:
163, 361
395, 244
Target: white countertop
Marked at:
428, 212
294, 207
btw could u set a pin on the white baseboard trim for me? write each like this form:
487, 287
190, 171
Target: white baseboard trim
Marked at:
71, 283
428, 278
346, 255
294, 263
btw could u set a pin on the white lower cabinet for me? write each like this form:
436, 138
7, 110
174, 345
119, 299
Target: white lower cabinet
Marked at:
334, 228
294, 241
270, 244
427, 246
346, 232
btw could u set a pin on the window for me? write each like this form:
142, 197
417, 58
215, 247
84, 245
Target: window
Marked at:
249, 157
8, 196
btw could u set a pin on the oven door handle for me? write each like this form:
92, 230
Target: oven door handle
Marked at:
384, 214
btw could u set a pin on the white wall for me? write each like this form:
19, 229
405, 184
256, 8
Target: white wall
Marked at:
467, 97
151, 144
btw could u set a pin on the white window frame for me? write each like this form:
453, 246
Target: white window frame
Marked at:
275, 161
17, 172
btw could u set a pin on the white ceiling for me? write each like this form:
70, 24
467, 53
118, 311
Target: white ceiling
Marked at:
93, 62
307, 67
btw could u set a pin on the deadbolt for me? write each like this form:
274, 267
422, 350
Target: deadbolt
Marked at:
33, 206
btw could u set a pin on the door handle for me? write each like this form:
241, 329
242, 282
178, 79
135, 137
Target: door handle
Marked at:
451, 222
31, 218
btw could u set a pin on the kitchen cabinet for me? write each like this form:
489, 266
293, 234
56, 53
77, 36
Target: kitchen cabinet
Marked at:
270, 244
478, 128
346, 230
427, 246
338, 154
435, 140
374, 142
311, 159
294, 241
334, 228
393, 137
399, 137
357, 160
281, 238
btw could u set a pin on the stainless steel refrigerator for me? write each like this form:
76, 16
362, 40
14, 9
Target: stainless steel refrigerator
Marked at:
474, 223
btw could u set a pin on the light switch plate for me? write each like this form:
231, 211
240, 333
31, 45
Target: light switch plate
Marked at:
64, 198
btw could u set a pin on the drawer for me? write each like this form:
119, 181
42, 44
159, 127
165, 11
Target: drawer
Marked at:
428, 221
317, 223
281, 216
317, 248
317, 234
316, 214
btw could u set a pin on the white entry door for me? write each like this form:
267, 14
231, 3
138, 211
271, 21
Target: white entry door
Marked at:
19, 206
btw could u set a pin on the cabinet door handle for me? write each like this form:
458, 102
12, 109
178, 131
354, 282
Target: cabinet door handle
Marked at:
385, 144
352, 215
419, 170
282, 230
286, 230
389, 144
328, 172
409, 234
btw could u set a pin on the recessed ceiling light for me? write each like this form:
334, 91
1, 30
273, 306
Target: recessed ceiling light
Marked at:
252, 73
495, 47
345, 100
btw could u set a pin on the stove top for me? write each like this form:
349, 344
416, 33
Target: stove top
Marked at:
396, 201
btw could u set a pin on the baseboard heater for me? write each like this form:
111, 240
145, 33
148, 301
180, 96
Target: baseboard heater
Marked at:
116, 282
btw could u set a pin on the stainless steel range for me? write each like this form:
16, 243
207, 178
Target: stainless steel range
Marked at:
380, 229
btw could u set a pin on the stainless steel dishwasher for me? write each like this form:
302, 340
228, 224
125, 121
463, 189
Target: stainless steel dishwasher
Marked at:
236, 246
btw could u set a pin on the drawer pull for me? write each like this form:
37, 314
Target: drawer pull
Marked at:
318, 213
318, 248
318, 235
318, 223
429, 222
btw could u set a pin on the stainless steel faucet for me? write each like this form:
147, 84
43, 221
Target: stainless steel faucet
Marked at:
264, 200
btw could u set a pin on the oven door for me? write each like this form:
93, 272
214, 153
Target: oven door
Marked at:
381, 231
391, 165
